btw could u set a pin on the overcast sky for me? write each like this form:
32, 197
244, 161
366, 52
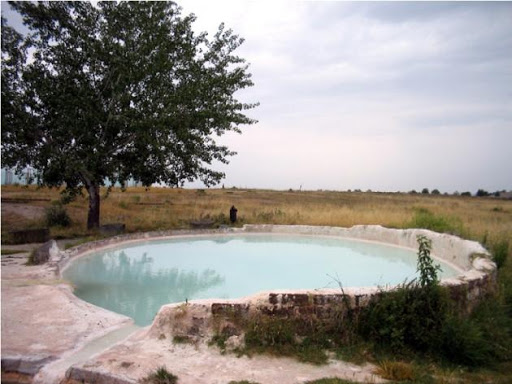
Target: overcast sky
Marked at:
381, 96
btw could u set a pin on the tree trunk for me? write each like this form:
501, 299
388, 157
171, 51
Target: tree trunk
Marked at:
93, 217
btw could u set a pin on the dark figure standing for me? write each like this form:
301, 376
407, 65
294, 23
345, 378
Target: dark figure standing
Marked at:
232, 214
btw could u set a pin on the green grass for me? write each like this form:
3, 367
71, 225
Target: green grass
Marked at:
424, 218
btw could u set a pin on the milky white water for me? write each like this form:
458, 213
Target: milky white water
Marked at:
137, 279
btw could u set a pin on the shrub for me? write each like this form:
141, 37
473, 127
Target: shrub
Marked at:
411, 316
463, 342
408, 318
56, 215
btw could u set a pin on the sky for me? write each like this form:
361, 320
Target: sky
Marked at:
387, 96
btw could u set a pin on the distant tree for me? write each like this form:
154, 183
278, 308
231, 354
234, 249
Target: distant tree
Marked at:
413, 192
465, 194
482, 193
117, 91
436, 192
425, 191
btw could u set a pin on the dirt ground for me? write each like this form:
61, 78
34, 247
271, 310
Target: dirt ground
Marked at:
28, 212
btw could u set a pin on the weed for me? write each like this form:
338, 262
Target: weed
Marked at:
160, 376
500, 252
428, 271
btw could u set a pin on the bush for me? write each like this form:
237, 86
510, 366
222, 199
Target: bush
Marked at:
406, 319
56, 215
463, 343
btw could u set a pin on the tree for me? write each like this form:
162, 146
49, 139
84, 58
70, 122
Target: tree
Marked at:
482, 193
425, 191
435, 192
118, 91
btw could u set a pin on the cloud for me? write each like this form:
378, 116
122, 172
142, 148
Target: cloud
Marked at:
378, 95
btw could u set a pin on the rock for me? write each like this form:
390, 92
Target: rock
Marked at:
42, 254
112, 229
28, 365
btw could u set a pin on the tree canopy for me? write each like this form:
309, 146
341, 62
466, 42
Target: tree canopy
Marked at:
118, 91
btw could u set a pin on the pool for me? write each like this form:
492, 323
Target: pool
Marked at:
137, 279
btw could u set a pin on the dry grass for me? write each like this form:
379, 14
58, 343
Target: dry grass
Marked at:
395, 370
164, 208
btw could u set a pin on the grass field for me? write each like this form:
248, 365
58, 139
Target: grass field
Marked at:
482, 219
487, 220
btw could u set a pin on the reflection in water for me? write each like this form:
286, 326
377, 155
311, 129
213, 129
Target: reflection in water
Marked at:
129, 285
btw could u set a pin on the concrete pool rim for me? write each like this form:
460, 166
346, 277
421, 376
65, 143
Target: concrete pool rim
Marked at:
469, 257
